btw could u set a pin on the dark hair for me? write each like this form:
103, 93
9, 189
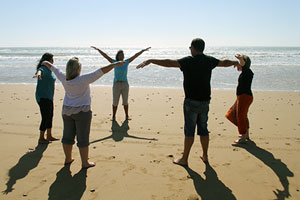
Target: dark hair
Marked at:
247, 61
45, 57
198, 44
118, 53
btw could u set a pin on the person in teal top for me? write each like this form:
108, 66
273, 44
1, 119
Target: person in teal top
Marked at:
120, 86
44, 96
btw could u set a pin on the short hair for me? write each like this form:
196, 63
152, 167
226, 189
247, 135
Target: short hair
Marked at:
72, 68
198, 44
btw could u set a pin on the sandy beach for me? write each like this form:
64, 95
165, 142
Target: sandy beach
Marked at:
134, 158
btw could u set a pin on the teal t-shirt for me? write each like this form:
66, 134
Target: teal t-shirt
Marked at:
120, 72
45, 87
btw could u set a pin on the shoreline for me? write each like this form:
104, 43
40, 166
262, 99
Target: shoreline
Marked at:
147, 87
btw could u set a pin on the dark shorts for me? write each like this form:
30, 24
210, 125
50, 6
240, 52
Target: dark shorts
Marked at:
77, 125
195, 113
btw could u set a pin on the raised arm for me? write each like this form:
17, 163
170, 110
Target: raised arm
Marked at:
103, 54
138, 54
93, 76
163, 63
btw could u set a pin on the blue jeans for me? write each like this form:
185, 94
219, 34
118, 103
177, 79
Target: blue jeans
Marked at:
195, 113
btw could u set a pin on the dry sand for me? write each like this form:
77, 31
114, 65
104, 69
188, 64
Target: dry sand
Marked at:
134, 159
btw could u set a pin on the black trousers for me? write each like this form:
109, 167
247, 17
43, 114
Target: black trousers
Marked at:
46, 108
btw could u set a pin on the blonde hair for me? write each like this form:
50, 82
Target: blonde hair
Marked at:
72, 68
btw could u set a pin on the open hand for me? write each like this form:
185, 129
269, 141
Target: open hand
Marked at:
95, 48
47, 64
241, 59
147, 49
119, 63
37, 76
143, 64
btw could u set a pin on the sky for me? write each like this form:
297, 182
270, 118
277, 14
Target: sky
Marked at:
143, 23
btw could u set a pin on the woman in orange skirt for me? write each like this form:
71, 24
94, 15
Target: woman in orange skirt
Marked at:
237, 114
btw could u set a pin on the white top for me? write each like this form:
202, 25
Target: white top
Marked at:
78, 89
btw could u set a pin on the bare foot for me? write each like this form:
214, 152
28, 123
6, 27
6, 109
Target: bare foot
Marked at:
128, 118
88, 165
204, 159
69, 162
52, 139
240, 141
43, 141
180, 162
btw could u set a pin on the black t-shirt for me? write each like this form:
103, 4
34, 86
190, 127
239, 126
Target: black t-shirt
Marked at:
244, 82
196, 76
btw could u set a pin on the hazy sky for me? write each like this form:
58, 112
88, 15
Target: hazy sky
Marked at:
156, 23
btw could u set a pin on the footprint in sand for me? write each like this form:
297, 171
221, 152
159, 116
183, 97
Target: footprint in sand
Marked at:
226, 164
111, 157
185, 178
144, 170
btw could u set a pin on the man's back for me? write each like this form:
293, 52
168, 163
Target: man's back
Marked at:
197, 75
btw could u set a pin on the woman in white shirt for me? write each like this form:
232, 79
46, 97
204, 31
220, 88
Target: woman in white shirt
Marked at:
76, 111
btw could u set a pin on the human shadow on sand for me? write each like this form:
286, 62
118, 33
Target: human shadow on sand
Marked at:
278, 167
120, 132
27, 162
67, 186
210, 187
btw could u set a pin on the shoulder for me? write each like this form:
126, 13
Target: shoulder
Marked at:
211, 57
185, 60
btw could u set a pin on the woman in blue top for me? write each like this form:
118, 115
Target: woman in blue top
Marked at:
44, 96
121, 86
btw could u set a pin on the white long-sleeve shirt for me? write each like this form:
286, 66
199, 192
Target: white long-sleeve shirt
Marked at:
77, 90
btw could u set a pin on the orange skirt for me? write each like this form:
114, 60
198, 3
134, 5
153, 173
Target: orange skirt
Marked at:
237, 114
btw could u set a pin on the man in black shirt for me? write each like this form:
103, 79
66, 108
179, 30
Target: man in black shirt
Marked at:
196, 83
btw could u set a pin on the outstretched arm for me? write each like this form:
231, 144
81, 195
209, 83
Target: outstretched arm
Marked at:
38, 75
107, 68
163, 63
103, 54
138, 54
228, 63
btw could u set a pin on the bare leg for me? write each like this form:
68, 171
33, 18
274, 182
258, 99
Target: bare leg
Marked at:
188, 143
42, 139
68, 153
49, 135
114, 112
126, 112
84, 154
204, 143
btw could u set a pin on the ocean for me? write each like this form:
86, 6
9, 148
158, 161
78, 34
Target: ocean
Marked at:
275, 68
